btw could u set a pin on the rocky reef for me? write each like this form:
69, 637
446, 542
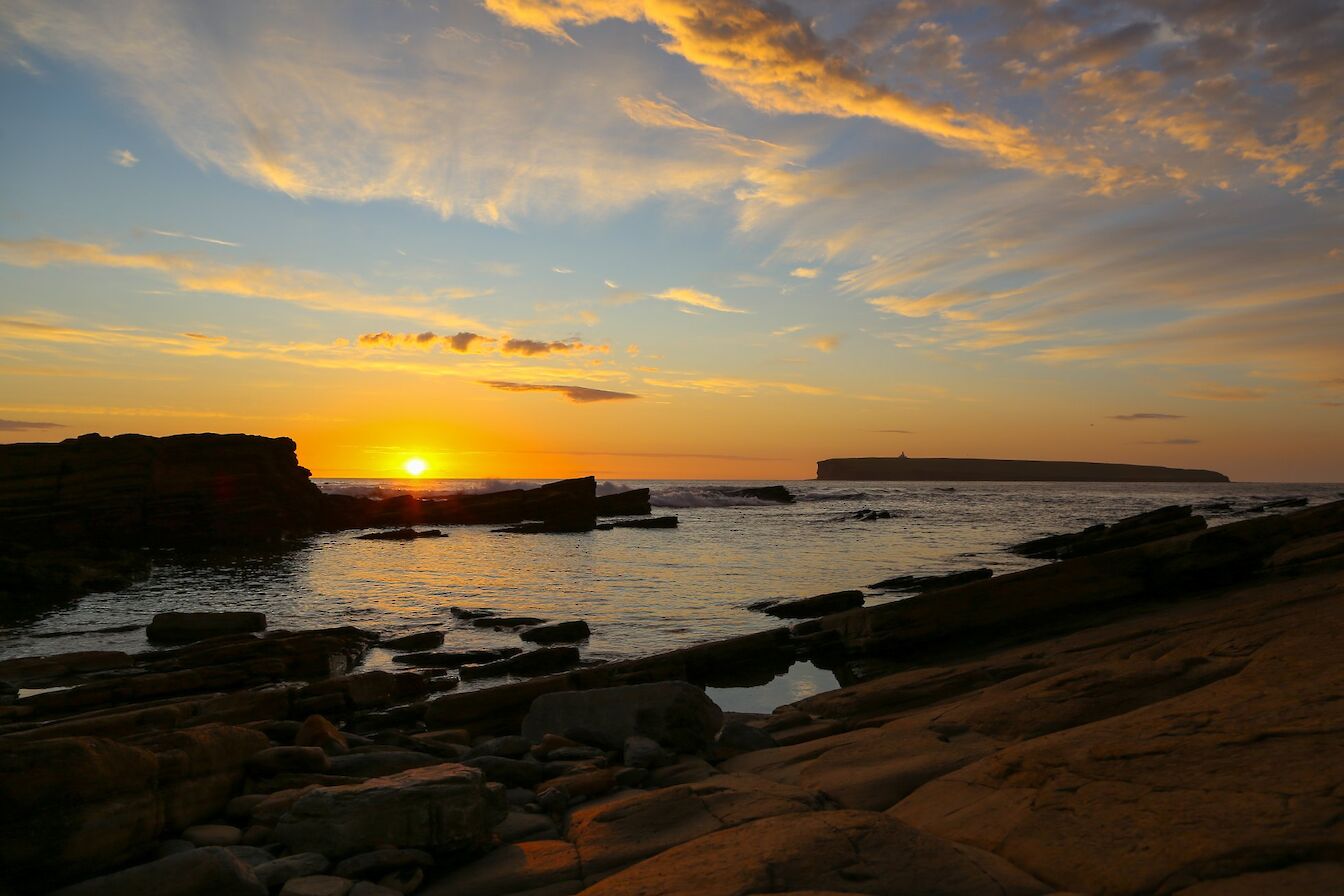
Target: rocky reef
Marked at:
1157, 717
969, 469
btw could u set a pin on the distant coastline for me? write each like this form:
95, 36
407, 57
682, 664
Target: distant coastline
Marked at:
971, 469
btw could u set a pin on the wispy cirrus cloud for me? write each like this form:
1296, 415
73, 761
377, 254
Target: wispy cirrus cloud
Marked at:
1220, 392
697, 299
1146, 415
124, 158
316, 290
1172, 442
576, 394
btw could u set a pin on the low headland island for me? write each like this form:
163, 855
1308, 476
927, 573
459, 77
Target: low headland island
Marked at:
972, 469
1158, 707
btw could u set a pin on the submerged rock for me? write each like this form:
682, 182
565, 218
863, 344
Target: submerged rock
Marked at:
406, 534
417, 641
655, 522
777, 493
808, 607
933, 583
556, 632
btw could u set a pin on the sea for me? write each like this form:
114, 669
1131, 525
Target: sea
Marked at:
642, 591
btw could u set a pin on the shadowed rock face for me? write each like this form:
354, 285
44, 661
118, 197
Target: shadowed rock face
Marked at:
138, 490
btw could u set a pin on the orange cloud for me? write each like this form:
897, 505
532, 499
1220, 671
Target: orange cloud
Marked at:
697, 299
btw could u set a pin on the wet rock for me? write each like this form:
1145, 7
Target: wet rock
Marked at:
406, 534
632, 503
1153, 525
777, 493
42, 669
212, 835
456, 658
471, 612
277, 871
440, 807
933, 583
655, 522
739, 737
556, 632
577, 753
583, 784
533, 662
502, 622
417, 641
808, 607
209, 870
250, 854
182, 628
673, 713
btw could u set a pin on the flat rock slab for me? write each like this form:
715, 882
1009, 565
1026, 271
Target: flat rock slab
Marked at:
439, 807
211, 870
513, 869
183, 628
627, 830
841, 851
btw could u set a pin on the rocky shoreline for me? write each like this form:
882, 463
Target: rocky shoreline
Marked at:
1149, 717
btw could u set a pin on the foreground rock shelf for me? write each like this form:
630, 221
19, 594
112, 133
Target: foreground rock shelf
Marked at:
1158, 718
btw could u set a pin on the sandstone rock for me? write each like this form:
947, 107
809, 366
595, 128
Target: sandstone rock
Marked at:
317, 731
181, 628
645, 752
533, 662
556, 632
417, 641
210, 870
517, 868
381, 763
653, 522
277, 871
844, 851
213, 835
583, 784
510, 772
378, 862
626, 830
518, 827
512, 746
316, 885
275, 760
439, 807
673, 713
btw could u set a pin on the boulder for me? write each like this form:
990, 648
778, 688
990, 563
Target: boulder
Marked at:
277, 871
378, 862
181, 628
556, 632
441, 807
212, 870
379, 764
316, 885
417, 641
533, 662
808, 607
213, 835
653, 522
673, 713
275, 760
632, 503
776, 493
317, 731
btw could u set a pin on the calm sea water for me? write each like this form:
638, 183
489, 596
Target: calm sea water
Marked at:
641, 591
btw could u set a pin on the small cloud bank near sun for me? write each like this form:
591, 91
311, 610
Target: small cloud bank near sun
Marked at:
576, 394
1146, 415
1172, 442
697, 299
467, 342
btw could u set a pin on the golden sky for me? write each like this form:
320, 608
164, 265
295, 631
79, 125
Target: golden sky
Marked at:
679, 238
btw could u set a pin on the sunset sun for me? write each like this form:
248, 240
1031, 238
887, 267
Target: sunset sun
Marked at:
415, 466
